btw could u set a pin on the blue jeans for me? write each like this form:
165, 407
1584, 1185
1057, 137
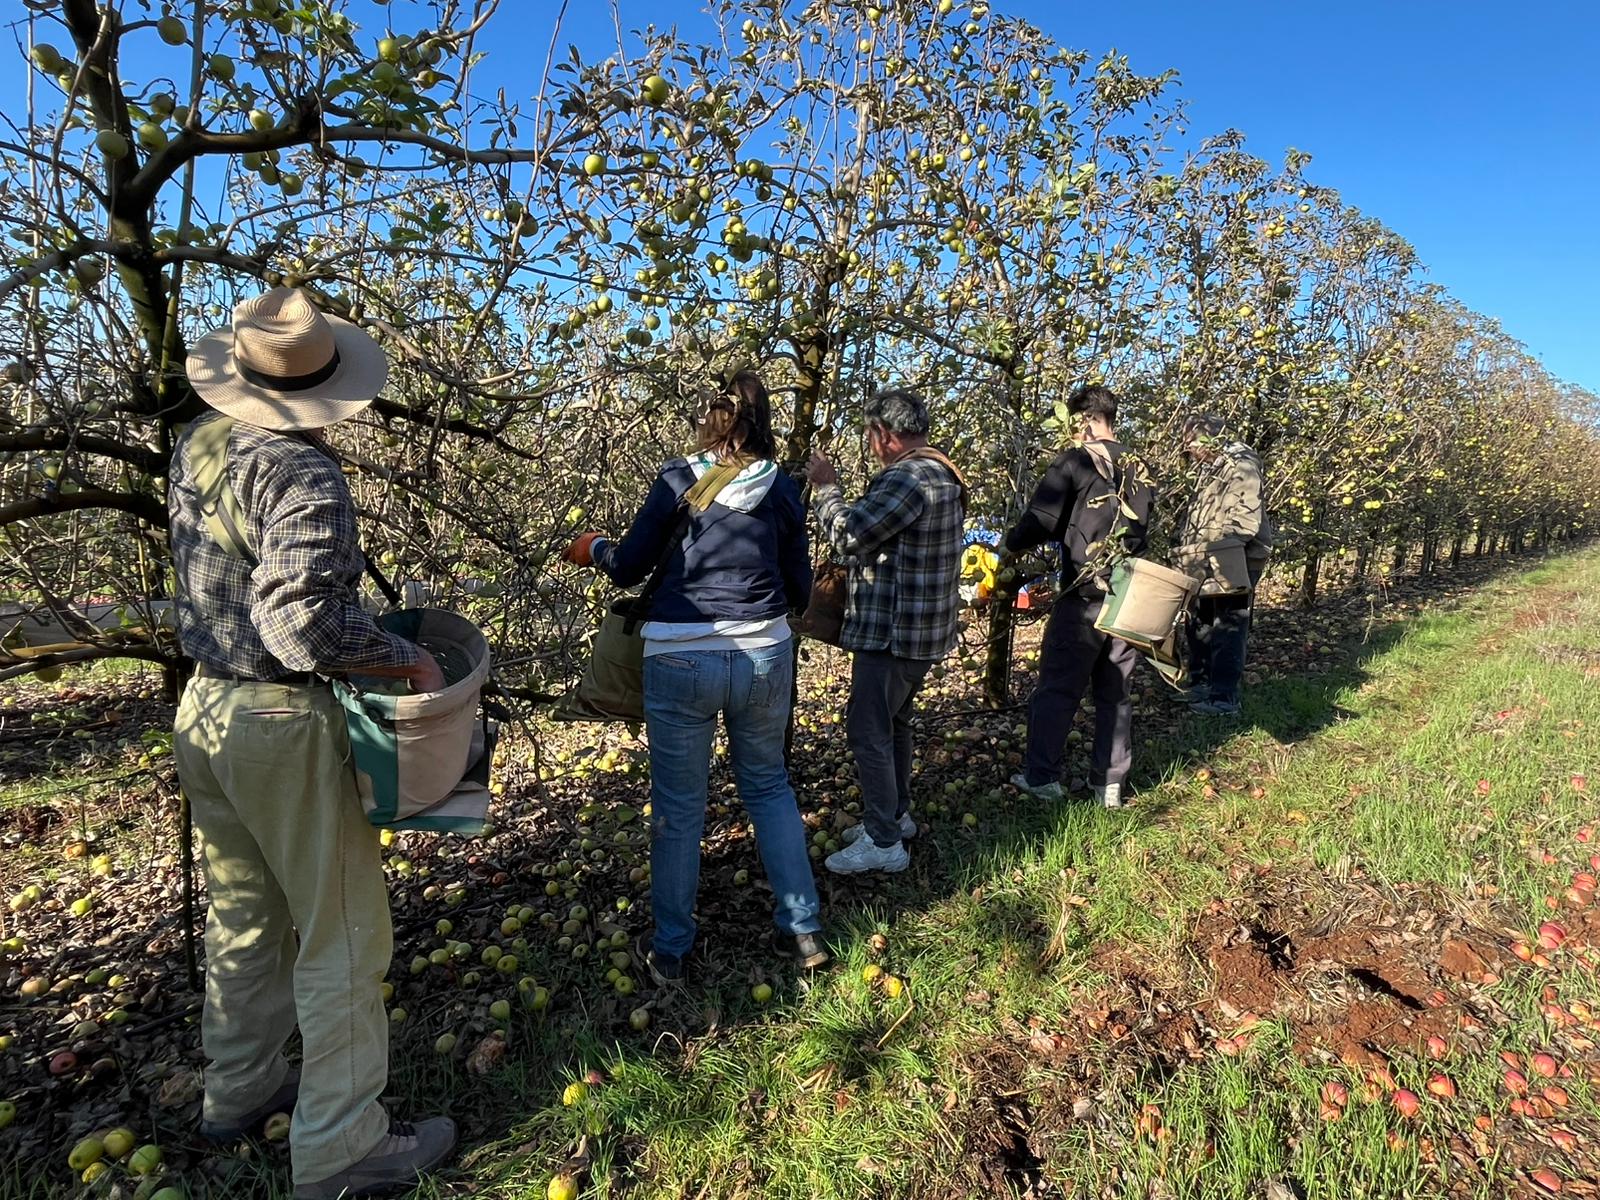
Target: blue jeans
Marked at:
683, 693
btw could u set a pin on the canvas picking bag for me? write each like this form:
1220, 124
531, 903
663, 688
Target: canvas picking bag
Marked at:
612, 687
421, 761
415, 755
1144, 601
823, 619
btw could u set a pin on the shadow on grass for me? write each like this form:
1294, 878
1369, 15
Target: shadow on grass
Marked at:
512, 1117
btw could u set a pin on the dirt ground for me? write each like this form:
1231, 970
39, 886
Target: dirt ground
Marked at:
101, 1020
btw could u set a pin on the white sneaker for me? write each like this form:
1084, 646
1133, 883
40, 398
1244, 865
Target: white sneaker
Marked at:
1041, 791
1109, 795
908, 830
864, 855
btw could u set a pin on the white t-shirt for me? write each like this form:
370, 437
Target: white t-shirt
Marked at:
669, 637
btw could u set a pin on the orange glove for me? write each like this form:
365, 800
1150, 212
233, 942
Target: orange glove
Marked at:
581, 551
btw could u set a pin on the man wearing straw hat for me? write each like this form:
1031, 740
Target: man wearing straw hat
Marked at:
264, 757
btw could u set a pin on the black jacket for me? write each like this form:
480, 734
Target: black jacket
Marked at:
1061, 511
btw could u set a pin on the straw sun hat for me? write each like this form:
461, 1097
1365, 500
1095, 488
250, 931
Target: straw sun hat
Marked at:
285, 365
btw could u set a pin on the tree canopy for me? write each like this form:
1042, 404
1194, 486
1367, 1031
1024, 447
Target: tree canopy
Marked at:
838, 194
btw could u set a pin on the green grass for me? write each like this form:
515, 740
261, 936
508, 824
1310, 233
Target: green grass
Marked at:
1361, 781
830, 1094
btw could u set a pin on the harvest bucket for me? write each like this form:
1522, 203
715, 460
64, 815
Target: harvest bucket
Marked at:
1145, 602
422, 761
1220, 567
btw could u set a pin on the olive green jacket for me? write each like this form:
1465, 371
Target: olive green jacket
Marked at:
1230, 502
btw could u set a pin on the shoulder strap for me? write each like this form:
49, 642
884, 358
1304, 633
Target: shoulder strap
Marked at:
934, 454
219, 503
1115, 474
1100, 457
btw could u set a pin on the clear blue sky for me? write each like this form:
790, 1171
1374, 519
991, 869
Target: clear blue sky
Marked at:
1470, 128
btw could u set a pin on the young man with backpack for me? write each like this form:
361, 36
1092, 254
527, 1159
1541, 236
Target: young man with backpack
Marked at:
1094, 501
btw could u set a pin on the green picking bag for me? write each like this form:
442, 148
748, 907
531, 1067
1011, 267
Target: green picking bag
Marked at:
422, 762
612, 688
1145, 601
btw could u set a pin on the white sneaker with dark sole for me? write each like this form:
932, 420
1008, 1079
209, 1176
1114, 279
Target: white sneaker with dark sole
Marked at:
908, 830
864, 854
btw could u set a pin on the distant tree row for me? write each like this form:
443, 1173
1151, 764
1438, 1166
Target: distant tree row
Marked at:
839, 195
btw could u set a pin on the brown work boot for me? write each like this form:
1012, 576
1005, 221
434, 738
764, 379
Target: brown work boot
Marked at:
394, 1164
806, 949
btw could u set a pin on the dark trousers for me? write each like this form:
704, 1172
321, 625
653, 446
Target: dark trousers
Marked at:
1076, 655
1219, 636
878, 726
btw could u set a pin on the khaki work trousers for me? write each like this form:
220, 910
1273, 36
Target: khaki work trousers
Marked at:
287, 848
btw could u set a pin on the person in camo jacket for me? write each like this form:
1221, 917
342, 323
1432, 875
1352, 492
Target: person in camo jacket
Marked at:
1229, 502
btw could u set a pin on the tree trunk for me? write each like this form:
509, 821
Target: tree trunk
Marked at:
997, 660
1002, 604
1363, 564
1308, 579
811, 356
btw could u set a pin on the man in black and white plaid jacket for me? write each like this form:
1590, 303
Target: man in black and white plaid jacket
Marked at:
903, 543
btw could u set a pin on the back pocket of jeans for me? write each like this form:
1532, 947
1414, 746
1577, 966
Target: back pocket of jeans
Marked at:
671, 677
769, 682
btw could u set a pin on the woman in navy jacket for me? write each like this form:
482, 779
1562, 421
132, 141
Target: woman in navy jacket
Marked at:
717, 640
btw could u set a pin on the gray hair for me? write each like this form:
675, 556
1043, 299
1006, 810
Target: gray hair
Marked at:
897, 410
1207, 425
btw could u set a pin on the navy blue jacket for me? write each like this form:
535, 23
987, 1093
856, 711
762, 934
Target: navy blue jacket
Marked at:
744, 562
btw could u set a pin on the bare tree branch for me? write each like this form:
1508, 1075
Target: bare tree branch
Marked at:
146, 508
147, 461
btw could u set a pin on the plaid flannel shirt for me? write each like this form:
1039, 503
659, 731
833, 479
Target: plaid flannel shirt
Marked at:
298, 608
903, 545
